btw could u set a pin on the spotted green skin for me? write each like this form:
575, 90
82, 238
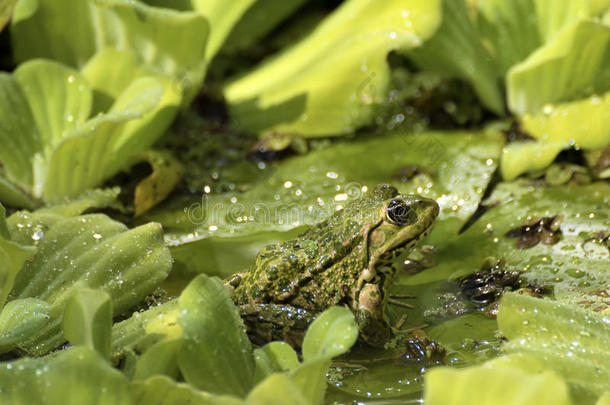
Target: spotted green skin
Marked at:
340, 261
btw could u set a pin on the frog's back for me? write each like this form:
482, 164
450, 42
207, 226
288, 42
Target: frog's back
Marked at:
297, 268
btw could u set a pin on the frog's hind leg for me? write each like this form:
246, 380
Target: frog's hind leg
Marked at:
269, 322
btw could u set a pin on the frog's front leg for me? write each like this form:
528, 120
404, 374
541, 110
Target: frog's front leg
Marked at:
270, 322
370, 317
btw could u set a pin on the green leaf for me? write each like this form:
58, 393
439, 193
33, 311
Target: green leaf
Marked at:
569, 340
328, 83
145, 328
277, 389
159, 359
604, 399
42, 28
259, 20
3, 227
272, 358
510, 29
59, 98
493, 386
160, 390
522, 157
332, 334
87, 320
97, 149
571, 66
73, 376
89, 251
19, 320
6, 11
222, 17
216, 355
456, 49
553, 16
90, 200
582, 123
15, 155
514, 29
12, 257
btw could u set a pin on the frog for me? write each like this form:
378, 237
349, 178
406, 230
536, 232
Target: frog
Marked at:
347, 260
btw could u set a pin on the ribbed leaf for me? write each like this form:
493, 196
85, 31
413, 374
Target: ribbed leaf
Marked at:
222, 17
87, 320
59, 98
569, 340
90, 251
171, 42
583, 123
97, 148
493, 386
19, 320
456, 49
567, 68
12, 257
143, 328
327, 83
511, 28
216, 355
73, 377
19, 136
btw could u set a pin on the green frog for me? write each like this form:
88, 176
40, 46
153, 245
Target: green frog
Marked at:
344, 260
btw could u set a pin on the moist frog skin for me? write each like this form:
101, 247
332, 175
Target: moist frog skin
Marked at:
344, 260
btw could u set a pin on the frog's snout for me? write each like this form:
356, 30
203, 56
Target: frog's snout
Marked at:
429, 207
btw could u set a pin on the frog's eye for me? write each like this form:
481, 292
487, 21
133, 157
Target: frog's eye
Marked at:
398, 212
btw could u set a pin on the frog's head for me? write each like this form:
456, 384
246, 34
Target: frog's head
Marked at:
402, 221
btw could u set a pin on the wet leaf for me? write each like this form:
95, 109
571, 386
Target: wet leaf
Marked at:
43, 29
89, 251
216, 355
277, 389
19, 320
555, 72
272, 358
350, 44
160, 390
456, 49
493, 386
332, 334
569, 340
73, 376
87, 320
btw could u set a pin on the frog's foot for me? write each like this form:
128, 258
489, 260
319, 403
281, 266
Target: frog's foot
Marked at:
269, 322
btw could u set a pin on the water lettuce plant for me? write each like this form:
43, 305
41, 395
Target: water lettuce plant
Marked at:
557, 353
99, 307
552, 59
54, 147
